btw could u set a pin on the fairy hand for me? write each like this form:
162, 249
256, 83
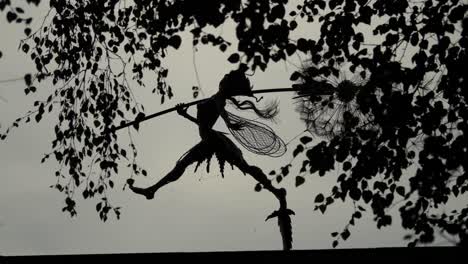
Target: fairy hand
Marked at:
181, 109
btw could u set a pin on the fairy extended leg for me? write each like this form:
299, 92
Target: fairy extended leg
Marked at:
234, 156
195, 154
283, 213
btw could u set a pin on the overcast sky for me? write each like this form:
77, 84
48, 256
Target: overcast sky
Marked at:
200, 212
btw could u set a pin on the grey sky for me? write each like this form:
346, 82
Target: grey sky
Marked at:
200, 212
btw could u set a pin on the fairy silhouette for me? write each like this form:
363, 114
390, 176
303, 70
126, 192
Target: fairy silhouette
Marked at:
254, 136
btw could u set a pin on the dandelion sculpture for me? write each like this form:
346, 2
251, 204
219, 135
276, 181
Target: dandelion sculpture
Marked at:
335, 104
254, 136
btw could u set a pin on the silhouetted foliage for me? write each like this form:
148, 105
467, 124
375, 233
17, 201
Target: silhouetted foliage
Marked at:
399, 115
403, 107
16, 14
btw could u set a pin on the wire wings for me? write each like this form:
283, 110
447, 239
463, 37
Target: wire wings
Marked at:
256, 137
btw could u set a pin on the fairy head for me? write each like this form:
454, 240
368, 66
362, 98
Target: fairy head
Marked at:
235, 83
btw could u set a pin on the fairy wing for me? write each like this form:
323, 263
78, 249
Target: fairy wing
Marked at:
256, 137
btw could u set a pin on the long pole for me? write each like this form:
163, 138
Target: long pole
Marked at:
139, 120
136, 121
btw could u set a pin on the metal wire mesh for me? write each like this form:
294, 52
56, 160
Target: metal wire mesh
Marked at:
256, 137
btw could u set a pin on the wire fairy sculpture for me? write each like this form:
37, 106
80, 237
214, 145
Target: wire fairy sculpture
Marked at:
256, 137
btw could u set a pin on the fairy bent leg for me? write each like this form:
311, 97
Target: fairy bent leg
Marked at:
283, 213
195, 154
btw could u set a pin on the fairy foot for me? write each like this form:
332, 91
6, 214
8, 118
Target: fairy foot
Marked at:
147, 192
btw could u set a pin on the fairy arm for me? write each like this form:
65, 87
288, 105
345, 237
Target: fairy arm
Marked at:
182, 110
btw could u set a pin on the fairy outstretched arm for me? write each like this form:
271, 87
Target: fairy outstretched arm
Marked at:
182, 110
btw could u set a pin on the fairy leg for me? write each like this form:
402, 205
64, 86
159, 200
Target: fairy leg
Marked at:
260, 177
195, 154
283, 213
233, 155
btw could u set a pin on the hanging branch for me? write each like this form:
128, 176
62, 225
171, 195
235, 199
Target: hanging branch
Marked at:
141, 119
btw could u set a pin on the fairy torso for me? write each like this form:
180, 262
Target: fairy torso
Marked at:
254, 136
208, 113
